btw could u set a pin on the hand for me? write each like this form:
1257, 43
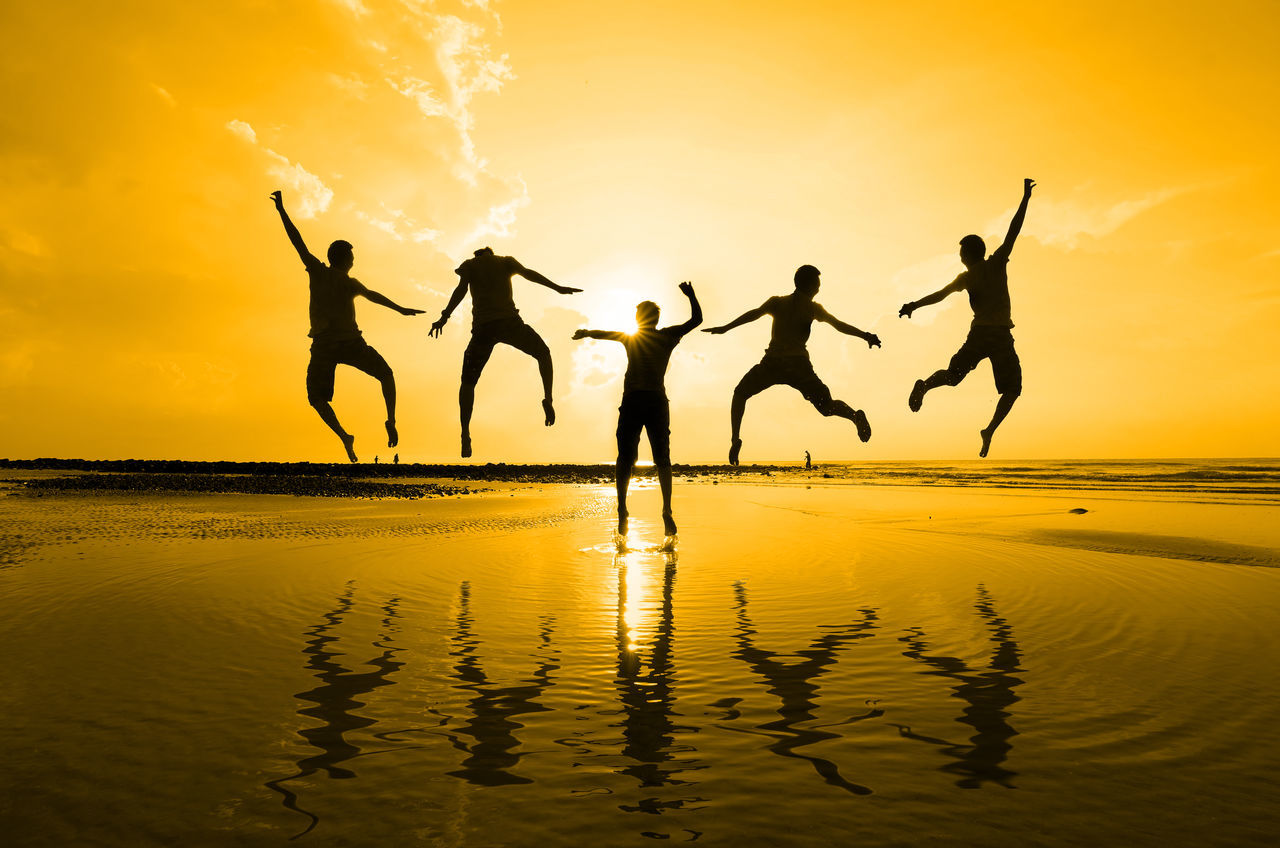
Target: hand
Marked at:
278, 199
567, 290
716, 331
687, 288
1027, 185
579, 334
407, 311
437, 328
872, 340
906, 310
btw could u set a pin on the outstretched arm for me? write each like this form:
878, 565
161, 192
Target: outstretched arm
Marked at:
534, 276
745, 318
602, 335
930, 299
454, 299
1015, 226
823, 315
383, 300
695, 309
295, 237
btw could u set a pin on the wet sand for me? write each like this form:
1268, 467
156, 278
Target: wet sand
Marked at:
819, 663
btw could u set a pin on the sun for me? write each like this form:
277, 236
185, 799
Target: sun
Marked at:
610, 301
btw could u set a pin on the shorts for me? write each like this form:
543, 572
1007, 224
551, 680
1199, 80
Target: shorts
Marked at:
996, 344
484, 337
794, 371
649, 411
327, 356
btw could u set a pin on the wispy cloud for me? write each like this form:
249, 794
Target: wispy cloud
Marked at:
164, 95
1065, 222
307, 190
398, 225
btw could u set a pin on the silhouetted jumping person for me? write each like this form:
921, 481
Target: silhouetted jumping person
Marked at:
335, 338
644, 397
786, 360
987, 281
495, 320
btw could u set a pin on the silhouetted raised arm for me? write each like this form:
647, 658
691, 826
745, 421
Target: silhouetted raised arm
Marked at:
930, 299
695, 309
823, 315
454, 299
295, 237
745, 318
383, 300
534, 276
1015, 226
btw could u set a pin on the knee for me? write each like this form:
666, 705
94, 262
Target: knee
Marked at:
317, 401
1011, 394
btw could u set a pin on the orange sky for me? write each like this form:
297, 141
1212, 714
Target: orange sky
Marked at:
151, 306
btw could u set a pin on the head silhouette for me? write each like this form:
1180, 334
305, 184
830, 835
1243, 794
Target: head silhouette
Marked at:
341, 256
647, 313
972, 250
485, 251
807, 280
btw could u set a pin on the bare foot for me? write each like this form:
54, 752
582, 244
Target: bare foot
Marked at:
734, 449
549, 410
393, 438
466, 445
622, 522
864, 426
669, 524
986, 441
917, 396
349, 442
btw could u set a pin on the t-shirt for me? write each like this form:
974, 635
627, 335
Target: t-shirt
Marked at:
332, 307
489, 278
792, 320
988, 287
648, 353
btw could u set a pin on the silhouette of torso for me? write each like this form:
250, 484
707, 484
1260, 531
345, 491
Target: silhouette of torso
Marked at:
333, 307
792, 319
489, 278
648, 352
988, 287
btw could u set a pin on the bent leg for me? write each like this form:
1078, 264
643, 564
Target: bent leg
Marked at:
816, 392
752, 383
1007, 370
319, 394
528, 341
371, 362
1003, 406
474, 358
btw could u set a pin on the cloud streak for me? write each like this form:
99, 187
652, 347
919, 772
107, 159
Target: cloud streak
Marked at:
309, 192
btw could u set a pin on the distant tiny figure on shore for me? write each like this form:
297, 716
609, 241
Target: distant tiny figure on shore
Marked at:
808, 461
986, 278
786, 360
495, 320
335, 338
644, 398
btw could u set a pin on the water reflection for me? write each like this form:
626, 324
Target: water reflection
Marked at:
335, 699
987, 694
494, 709
796, 687
647, 695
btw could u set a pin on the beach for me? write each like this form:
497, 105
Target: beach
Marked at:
893, 656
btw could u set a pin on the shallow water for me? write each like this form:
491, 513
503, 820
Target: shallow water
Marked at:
841, 664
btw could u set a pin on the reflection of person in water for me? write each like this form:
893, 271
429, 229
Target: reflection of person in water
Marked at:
987, 693
796, 686
644, 397
336, 697
648, 697
494, 708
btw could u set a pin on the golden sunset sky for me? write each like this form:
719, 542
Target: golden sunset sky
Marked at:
151, 306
